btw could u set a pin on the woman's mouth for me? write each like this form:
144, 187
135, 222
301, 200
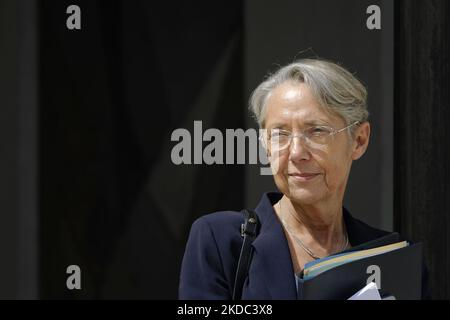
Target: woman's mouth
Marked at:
303, 176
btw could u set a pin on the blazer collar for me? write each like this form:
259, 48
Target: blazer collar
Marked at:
272, 252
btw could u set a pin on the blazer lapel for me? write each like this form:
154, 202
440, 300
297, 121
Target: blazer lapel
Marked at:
271, 262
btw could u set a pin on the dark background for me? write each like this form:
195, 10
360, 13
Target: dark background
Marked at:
87, 115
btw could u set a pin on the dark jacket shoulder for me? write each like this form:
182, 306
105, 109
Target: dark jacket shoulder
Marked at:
211, 255
359, 231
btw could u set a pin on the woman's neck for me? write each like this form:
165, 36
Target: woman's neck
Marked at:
319, 226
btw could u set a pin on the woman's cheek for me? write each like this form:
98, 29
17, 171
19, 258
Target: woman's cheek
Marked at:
278, 164
333, 176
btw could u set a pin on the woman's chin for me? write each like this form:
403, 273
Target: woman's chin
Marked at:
304, 196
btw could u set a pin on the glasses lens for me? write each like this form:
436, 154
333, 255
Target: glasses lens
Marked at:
279, 139
318, 134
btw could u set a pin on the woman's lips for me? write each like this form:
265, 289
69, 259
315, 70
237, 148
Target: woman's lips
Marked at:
304, 176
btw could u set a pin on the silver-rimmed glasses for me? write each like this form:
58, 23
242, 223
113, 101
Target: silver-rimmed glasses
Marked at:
280, 139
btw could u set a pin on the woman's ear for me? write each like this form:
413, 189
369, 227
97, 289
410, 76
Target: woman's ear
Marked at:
361, 141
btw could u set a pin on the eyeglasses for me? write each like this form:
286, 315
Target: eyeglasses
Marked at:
280, 139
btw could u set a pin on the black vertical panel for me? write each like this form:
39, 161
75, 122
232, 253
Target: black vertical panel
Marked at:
9, 171
18, 149
422, 134
110, 96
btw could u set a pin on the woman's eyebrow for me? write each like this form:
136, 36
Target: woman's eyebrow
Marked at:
307, 123
317, 123
278, 126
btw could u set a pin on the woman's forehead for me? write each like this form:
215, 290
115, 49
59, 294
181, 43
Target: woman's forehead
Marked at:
295, 102
289, 93
302, 115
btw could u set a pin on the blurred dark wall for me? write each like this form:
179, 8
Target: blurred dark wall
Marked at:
19, 246
9, 150
112, 202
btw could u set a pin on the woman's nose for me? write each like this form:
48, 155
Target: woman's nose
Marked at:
298, 149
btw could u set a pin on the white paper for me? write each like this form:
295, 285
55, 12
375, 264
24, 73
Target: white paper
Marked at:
369, 292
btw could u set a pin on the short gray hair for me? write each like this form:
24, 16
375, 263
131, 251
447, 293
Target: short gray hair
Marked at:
336, 89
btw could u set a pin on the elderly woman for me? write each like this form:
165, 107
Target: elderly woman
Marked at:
315, 118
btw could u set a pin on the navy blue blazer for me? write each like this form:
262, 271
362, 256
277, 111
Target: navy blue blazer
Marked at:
212, 252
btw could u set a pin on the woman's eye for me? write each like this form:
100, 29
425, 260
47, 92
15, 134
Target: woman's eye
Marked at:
277, 133
319, 130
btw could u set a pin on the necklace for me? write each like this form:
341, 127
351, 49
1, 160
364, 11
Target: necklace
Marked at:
297, 239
